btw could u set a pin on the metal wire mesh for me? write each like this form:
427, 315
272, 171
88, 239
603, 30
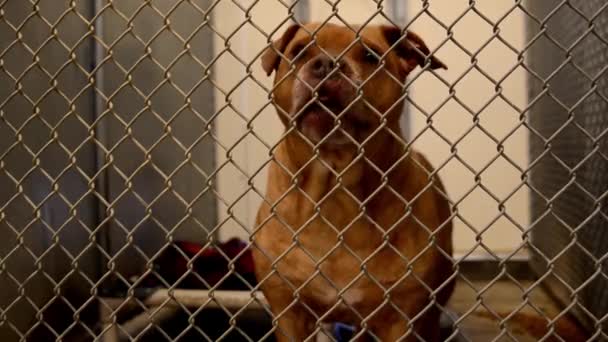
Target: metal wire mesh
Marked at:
116, 157
569, 175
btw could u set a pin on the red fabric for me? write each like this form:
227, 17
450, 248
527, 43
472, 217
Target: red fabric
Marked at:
210, 264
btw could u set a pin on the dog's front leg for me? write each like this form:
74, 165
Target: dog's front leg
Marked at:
292, 321
390, 325
294, 325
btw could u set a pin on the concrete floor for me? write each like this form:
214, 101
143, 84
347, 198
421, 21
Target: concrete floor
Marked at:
477, 304
475, 307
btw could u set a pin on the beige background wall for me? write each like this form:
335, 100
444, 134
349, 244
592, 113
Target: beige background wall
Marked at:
497, 118
243, 159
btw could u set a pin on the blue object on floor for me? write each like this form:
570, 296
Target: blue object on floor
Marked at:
343, 332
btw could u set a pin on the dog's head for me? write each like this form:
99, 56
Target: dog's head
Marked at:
338, 86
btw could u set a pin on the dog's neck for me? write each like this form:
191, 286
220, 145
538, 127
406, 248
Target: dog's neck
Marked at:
319, 171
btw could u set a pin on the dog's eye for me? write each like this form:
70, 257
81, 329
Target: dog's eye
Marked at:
371, 57
363, 125
295, 51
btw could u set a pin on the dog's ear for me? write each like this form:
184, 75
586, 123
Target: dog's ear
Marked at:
271, 58
410, 48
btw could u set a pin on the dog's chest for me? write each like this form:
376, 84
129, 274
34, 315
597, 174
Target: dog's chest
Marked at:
343, 305
336, 301
332, 279
336, 257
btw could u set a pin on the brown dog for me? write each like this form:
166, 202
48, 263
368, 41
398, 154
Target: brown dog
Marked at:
354, 228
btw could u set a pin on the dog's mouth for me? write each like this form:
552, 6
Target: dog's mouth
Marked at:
331, 124
322, 124
327, 114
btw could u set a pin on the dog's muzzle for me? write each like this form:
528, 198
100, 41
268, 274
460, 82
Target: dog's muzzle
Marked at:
322, 92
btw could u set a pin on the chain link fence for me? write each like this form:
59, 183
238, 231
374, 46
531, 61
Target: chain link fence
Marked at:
568, 151
136, 138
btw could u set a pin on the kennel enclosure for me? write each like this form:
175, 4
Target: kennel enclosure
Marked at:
113, 151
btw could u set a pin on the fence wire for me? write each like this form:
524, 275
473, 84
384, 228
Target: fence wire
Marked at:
115, 157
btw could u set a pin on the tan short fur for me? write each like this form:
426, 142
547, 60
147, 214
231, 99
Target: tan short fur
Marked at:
314, 230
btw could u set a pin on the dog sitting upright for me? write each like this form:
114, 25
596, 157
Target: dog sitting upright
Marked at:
354, 228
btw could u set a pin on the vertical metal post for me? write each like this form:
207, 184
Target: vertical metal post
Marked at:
397, 12
100, 132
301, 10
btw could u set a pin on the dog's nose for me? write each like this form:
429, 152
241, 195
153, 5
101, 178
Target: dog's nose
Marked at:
322, 65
